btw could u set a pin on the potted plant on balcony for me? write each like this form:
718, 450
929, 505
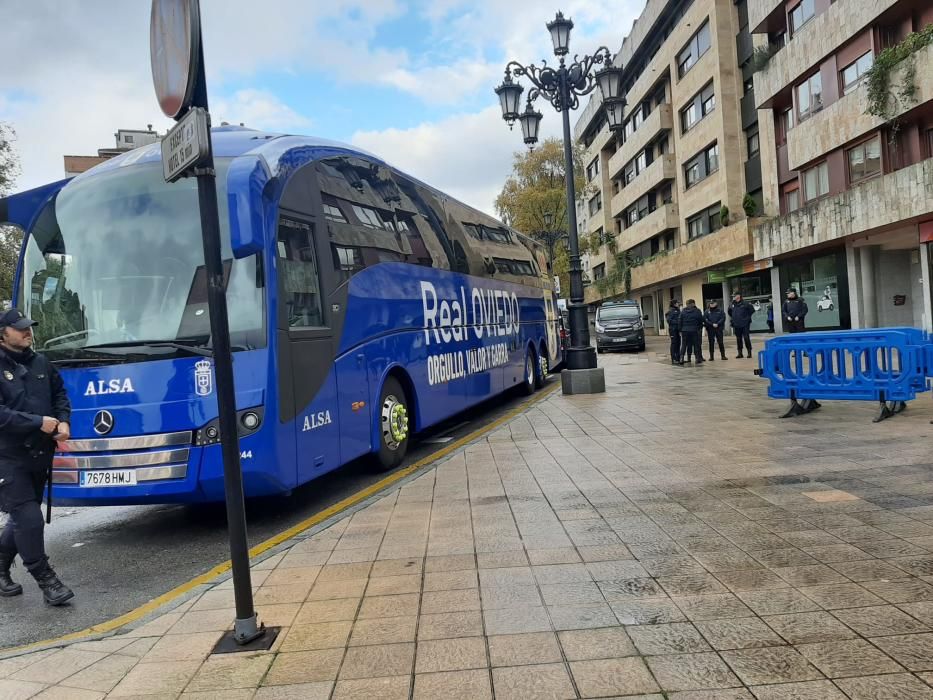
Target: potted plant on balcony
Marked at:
724, 215
749, 205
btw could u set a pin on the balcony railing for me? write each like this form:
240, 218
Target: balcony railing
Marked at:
660, 220
660, 119
661, 170
902, 195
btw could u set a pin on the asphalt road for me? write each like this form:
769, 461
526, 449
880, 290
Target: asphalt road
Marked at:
118, 558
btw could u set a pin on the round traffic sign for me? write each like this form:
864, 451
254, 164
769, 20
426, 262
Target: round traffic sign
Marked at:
174, 47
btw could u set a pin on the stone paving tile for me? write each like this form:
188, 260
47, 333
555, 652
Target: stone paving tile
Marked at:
544, 682
770, 665
801, 628
913, 651
901, 591
453, 685
712, 607
226, 672
880, 620
160, 677
691, 672
573, 617
386, 688
603, 678
842, 595
807, 690
377, 661
447, 625
851, 657
451, 654
385, 630
527, 649
738, 633
677, 638
304, 667
889, 687
653, 611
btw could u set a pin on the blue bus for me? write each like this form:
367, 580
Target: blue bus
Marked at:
365, 306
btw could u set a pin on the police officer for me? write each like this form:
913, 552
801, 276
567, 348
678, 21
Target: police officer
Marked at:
691, 325
741, 312
34, 413
715, 321
673, 328
795, 311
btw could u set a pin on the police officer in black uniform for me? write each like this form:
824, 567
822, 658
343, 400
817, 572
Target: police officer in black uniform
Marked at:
795, 312
34, 413
691, 325
673, 329
715, 321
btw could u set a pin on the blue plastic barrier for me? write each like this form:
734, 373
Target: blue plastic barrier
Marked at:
887, 365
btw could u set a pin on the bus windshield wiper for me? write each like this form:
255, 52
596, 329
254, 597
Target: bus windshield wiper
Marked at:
193, 347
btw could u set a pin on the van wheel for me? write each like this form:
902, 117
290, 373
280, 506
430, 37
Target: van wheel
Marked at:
529, 374
393, 425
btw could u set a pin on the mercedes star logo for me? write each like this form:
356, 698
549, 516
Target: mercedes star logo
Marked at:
103, 422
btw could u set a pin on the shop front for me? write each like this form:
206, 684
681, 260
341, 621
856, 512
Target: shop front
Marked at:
750, 279
822, 282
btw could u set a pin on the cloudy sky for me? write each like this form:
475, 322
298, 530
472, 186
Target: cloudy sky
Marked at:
409, 81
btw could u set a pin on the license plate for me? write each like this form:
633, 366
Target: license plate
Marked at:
109, 477
620, 340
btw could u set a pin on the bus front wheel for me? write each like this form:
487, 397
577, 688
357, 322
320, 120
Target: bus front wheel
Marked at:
394, 428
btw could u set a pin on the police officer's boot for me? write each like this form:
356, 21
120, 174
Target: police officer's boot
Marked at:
53, 590
8, 587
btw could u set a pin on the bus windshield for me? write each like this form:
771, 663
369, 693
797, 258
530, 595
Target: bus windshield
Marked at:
115, 262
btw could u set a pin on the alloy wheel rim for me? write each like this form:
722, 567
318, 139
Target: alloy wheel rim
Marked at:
394, 422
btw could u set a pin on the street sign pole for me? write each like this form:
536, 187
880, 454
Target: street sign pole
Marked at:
191, 153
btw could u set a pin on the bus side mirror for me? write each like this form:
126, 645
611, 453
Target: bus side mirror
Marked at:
246, 180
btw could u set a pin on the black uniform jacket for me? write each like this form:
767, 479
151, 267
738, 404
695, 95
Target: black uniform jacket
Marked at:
30, 388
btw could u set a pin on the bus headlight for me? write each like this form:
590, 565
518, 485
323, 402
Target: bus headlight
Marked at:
249, 421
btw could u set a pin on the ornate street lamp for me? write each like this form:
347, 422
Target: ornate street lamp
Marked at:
563, 86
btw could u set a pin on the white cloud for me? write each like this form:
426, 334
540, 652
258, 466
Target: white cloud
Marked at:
468, 156
257, 109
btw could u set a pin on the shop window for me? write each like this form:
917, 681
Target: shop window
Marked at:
697, 46
810, 97
854, 73
816, 181
864, 160
800, 15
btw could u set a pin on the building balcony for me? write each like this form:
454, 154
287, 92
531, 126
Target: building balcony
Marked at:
660, 119
749, 110
660, 220
899, 197
661, 170
726, 244
753, 173
820, 37
845, 119
764, 15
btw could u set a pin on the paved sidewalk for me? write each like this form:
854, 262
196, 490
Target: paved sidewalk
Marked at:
670, 538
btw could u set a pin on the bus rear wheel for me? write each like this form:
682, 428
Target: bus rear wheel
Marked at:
530, 373
393, 425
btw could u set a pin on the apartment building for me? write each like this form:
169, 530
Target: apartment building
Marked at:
670, 187
854, 192
126, 140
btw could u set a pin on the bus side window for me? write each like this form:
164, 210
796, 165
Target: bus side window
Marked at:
301, 283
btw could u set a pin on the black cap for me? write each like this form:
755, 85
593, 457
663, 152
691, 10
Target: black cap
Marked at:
15, 319
791, 290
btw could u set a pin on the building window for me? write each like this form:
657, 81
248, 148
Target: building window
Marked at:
865, 160
785, 124
816, 181
853, 73
332, 213
599, 271
810, 97
368, 217
697, 46
347, 260
800, 15
128, 138
592, 170
700, 105
701, 165
753, 145
791, 198
705, 222
596, 203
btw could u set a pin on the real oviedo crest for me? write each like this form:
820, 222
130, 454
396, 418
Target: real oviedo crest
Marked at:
203, 378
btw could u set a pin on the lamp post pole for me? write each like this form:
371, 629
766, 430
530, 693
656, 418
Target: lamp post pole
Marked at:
562, 87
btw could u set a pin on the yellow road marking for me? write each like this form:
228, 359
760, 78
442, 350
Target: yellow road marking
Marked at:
285, 535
